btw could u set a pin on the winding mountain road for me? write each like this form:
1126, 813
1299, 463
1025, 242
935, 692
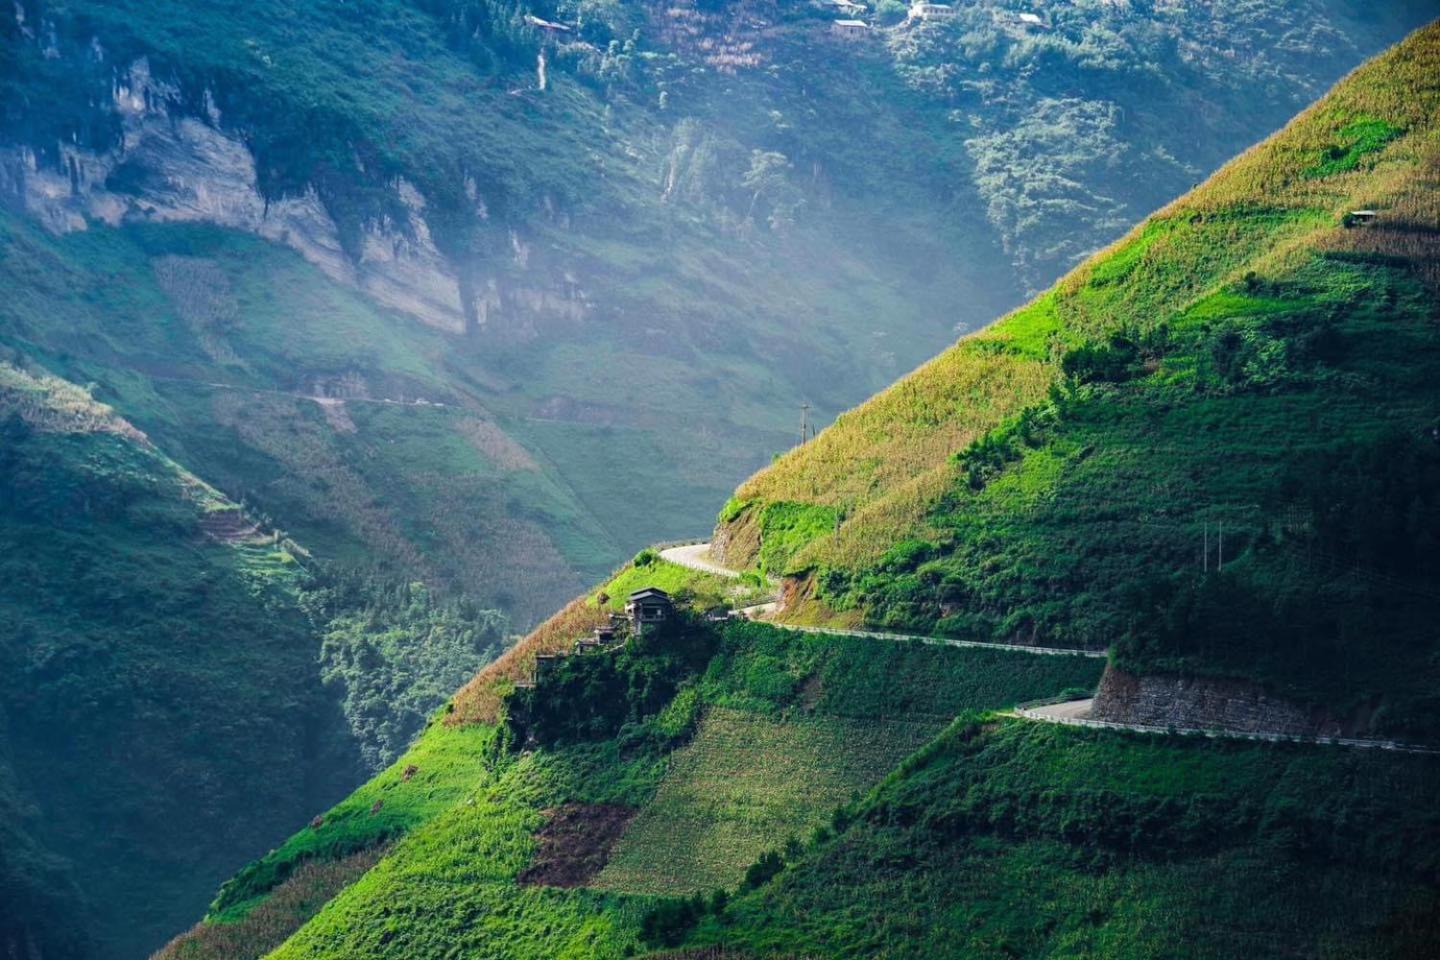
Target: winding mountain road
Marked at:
697, 556
1073, 713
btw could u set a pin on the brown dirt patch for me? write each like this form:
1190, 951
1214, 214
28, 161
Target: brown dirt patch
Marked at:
575, 844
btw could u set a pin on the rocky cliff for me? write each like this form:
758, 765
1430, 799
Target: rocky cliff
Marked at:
1207, 703
171, 167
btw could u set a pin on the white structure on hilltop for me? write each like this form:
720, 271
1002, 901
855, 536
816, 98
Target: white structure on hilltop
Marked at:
920, 10
850, 29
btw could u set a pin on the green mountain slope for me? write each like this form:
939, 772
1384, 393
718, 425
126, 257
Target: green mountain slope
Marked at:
146, 662
178, 688
472, 308
1006, 840
744, 789
299, 397
1253, 361
762, 743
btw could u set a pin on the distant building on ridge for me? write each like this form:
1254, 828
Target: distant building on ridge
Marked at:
647, 607
921, 10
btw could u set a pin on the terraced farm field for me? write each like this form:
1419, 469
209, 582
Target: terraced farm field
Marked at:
745, 781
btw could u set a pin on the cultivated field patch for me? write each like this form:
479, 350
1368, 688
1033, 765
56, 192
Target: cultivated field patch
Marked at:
743, 786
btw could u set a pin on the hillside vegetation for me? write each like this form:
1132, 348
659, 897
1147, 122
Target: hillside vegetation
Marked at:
631, 273
1011, 840
337, 333
731, 739
301, 399
128, 640
757, 814
1251, 360
179, 685
886, 801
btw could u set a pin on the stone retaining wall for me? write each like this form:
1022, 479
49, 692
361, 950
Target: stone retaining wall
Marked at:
1205, 703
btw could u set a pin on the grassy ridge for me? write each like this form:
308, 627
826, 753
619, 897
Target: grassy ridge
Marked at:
448, 763
554, 199
265, 927
1053, 478
1260, 209
1130, 845
1260, 353
648, 570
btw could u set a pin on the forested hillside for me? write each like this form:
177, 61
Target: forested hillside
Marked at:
178, 679
729, 788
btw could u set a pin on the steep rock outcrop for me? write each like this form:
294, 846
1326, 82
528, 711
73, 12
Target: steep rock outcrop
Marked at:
1208, 703
171, 167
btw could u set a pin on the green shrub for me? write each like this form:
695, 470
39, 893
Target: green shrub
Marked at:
1359, 139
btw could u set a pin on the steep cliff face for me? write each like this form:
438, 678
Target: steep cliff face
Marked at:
172, 167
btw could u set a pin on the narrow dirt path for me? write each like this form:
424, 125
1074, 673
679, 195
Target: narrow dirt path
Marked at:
697, 556
947, 641
1076, 713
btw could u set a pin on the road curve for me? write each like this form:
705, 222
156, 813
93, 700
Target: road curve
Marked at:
696, 556
1073, 713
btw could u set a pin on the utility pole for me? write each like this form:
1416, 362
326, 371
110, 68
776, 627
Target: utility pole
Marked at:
1205, 563
804, 420
1220, 559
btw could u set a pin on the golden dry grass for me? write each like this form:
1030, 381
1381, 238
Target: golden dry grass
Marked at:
923, 418
53, 405
1410, 231
282, 913
479, 700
